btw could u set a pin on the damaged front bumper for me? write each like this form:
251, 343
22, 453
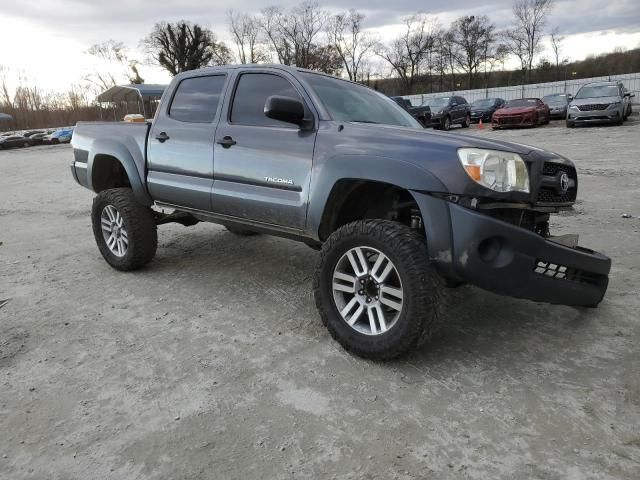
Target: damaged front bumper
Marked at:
509, 260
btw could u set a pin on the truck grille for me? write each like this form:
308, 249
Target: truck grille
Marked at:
593, 106
550, 191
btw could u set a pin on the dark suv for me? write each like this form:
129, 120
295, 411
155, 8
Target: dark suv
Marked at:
447, 111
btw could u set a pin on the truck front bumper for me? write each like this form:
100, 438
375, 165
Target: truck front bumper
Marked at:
510, 260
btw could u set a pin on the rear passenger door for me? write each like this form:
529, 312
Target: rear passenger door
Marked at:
262, 166
180, 145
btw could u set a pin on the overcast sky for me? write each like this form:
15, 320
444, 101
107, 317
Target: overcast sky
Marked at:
45, 40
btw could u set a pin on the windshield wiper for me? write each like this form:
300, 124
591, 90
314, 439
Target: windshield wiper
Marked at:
365, 121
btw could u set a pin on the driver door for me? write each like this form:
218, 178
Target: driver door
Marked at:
262, 167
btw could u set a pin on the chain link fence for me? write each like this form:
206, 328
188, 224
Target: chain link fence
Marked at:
631, 82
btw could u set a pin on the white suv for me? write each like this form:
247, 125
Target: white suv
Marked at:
600, 102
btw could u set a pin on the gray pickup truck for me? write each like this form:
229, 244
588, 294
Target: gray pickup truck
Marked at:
399, 213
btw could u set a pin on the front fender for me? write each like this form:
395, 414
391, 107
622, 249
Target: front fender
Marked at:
327, 173
131, 159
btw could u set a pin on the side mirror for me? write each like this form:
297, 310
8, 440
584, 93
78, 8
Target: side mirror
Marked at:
285, 109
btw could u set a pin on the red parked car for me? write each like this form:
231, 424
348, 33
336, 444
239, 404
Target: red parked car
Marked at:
524, 112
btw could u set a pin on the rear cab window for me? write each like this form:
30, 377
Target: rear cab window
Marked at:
196, 99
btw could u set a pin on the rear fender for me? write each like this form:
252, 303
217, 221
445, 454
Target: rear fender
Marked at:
132, 161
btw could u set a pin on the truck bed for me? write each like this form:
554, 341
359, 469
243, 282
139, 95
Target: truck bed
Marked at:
133, 136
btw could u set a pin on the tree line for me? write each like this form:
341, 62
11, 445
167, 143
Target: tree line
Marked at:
308, 36
424, 57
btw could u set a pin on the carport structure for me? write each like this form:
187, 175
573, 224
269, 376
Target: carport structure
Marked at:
126, 99
5, 119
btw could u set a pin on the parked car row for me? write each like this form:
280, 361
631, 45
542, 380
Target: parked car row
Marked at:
31, 138
599, 102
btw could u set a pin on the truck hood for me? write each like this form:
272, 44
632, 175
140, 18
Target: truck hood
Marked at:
426, 139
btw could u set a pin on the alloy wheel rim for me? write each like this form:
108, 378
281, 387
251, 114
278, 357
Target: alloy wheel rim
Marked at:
367, 290
113, 230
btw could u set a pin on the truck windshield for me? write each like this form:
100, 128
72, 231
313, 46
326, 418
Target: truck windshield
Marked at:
348, 102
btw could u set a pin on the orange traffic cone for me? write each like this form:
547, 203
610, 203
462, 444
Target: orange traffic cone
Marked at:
480, 125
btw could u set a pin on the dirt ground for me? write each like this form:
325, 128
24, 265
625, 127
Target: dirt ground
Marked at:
212, 363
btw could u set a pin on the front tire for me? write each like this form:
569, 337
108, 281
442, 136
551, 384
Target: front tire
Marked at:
467, 121
446, 125
124, 229
375, 289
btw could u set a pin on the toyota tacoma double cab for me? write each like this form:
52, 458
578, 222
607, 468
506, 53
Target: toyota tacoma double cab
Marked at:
398, 213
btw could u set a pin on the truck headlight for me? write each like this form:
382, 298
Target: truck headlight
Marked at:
574, 108
496, 170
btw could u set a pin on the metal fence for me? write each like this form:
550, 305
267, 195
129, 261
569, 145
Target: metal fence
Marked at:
538, 90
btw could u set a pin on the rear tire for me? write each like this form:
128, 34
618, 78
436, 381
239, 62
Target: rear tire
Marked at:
137, 222
243, 232
412, 320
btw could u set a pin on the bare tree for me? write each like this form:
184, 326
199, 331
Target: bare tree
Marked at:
449, 54
516, 43
556, 46
119, 65
183, 46
350, 42
245, 30
294, 36
5, 97
473, 36
524, 39
493, 54
407, 52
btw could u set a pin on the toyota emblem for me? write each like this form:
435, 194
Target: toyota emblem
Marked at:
564, 182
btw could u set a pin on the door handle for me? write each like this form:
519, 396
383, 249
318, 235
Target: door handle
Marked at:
227, 142
162, 137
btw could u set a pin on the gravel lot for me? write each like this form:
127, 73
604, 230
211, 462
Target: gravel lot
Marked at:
213, 363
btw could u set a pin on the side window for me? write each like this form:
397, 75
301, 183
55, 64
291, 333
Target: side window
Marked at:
251, 94
196, 99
